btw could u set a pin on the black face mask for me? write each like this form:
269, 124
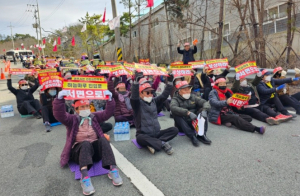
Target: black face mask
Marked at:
277, 75
222, 87
122, 92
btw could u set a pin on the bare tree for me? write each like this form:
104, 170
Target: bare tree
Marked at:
260, 6
220, 35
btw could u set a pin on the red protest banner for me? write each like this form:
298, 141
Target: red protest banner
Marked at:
118, 70
46, 70
104, 69
144, 61
43, 75
181, 70
150, 70
19, 71
197, 64
217, 63
89, 78
239, 100
177, 62
51, 64
85, 90
246, 69
51, 81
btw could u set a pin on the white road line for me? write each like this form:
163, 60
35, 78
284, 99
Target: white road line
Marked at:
140, 181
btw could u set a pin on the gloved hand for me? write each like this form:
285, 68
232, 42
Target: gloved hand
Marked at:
283, 73
138, 76
62, 94
204, 113
284, 91
296, 79
237, 76
280, 87
296, 70
193, 116
171, 77
259, 74
109, 94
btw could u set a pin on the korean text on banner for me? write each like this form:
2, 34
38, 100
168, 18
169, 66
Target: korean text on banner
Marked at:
197, 64
104, 69
85, 90
89, 78
239, 100
43, 75
177, 62
217, 63
149, 70
118, 70
181, 70
51, 81
246, 69
18, 71
47, 70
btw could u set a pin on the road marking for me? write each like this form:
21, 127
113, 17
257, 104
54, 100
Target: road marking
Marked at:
141, 182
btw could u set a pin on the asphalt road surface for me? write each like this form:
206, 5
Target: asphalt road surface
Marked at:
236, 163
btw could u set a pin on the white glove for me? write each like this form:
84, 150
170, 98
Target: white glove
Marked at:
204, 113
250, 93
284, 91
296, 70
108, 93
237, 76
283, 73
63, 93
259, 74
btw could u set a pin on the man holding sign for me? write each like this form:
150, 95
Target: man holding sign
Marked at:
188, 53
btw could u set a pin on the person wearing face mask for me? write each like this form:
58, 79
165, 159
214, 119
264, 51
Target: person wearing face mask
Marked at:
222, 113
185, 108
85, 142
254, 108
144, 105
284, 94
46, 99
25, 100
267, 92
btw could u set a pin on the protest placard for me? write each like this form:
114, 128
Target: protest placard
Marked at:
20, 71
51, 81
181, 70
104, 69
197, 64
118, 70
88, 78
217, 63
239, 100
46, 70
246, 69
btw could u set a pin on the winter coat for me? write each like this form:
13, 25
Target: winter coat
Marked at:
265, 92
206, 79
287, 87
188, 56
145, 114
23, 95
121, 108
181, 106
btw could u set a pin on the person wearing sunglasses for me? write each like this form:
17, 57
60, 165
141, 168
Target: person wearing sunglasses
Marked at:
144, 105
185, 108
187, 53
26, 103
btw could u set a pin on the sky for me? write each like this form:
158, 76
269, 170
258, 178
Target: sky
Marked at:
54, 14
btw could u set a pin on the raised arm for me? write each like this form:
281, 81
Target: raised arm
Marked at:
135, 97
164, 96
36, 86
195, 50
10, 88
59, 112
179, 51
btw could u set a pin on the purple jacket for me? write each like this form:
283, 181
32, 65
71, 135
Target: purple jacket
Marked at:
71, 121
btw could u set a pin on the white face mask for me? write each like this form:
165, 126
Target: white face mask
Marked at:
177, 82
244, 83
268, 78
148, 99
84, 113
24, 87
186, 96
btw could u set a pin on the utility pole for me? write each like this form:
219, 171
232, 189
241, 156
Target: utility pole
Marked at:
38, 11
12, 37
36, 25
139, 26
117, 33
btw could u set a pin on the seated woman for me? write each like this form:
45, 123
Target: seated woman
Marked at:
85, 142
25, 101
46, 99
222, 113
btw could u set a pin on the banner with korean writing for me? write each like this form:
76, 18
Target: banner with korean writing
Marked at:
144, 61
177, 62
85, 90
104, 69
51, 63
89, 78
181, 70
46, 70
20, 71
246, 69
43, 75
149, 70
51, 81
118, 70
197, 64
129, 67
239, 100
217, 63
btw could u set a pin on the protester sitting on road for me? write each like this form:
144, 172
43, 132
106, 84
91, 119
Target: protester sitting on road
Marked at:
85, 142
185, 108
46, 99
267, 92
254, 109
284, 94
221, 112
188, 53
25, 101
208, 77
144, 105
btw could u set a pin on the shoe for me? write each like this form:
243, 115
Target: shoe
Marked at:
167, 148
204, 139
289, 114
228, 124
262, 130
37, 115
152, 150
87, 186
48, 126
195, 141
283, 118
115, 177
272, 121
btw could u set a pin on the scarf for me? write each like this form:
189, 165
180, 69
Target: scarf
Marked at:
222, 97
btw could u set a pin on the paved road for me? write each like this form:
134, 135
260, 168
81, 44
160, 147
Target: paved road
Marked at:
237, 162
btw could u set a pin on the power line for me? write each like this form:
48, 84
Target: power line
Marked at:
55, 9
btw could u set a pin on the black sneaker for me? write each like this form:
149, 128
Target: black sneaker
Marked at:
168, 148
204, 139
195, 141
37, 115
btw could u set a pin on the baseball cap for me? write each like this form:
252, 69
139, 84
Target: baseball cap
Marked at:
182, 84
145, 87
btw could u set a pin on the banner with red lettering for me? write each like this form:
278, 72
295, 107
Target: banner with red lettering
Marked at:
181, 70
104, 69
51, 81
239, 100
20, 71
43, 75
118, 70
51, 63
217, 63
129, 67
144, 61
150, 70
89, 78
177, 63
246, 69
85, 90
46, 70
197, 64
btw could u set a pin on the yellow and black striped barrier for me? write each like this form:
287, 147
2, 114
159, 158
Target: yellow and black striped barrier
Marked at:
119, 53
